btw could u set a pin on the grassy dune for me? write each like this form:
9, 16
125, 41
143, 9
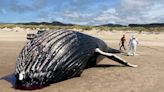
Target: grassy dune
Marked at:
105, 28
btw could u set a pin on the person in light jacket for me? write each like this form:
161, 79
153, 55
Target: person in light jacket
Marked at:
133, 42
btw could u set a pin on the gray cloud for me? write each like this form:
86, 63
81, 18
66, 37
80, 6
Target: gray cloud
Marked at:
128, 11
133, 11
83, 11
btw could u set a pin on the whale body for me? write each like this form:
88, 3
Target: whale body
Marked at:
56, 56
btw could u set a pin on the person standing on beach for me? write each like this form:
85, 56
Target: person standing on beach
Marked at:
132, 45
122, 43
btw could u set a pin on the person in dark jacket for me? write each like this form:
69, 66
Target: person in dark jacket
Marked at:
122, 43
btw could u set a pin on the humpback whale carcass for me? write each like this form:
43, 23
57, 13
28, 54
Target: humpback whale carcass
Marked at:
59, 55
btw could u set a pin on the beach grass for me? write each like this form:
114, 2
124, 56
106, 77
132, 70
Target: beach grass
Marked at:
86, 28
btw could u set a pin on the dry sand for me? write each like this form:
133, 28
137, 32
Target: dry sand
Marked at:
107, 77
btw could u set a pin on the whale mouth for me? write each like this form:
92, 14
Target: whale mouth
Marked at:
28, 85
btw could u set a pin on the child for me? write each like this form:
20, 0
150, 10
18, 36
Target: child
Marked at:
132, 45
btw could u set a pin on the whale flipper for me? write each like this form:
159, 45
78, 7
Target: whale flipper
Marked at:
115, 58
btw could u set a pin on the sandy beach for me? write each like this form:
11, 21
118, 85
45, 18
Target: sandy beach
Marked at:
108, 76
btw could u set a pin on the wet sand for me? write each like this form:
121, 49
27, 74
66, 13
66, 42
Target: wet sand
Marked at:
108, 76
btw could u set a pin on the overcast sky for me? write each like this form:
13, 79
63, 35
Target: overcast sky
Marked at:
85, 12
